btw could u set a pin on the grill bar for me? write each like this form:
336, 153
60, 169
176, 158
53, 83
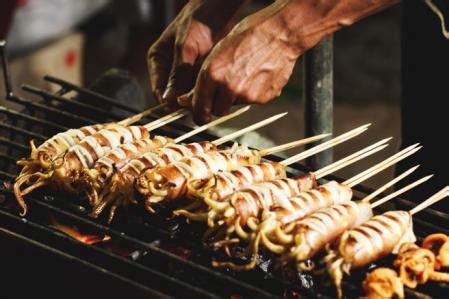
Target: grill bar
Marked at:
23, 132
48, 96
35, 229
47, 109
32, 119
6, 175
13, 144
214, 277
8, 159
84, 91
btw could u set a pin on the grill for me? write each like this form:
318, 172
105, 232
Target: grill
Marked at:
146, 256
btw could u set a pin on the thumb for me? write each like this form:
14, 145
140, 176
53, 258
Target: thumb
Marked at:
185, 100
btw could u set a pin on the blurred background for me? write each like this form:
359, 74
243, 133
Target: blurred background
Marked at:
81, 40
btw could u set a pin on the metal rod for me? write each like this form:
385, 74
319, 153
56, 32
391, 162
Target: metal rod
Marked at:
48, 96
45, 108
27, 117
319, 97
6, 175
6, 74
247, 290
23, 132
13, 144
7, 158
84, 91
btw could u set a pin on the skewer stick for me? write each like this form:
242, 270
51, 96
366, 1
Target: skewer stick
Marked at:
325, 145
342, 165
248, 129
400, 191
352, 158
135, 118
389, 184
212, 124
166, 119
431, 200
357, 179
284, 147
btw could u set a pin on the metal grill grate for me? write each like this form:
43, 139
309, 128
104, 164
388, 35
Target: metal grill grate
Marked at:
162, 256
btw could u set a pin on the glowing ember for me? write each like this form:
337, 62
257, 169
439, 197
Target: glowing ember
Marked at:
74, 233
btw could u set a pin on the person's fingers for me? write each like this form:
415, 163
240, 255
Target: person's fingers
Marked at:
203, 97
185, 100
181, 80
159, 60
223, 101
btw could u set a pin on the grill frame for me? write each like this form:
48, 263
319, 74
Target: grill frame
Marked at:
146, 280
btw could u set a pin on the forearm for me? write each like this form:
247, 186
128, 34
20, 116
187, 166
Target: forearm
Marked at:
304, 23
216, 13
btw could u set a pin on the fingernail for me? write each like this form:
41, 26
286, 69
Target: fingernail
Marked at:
167, 93
169, 96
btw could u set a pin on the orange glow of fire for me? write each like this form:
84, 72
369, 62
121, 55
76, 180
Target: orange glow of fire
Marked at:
74, 233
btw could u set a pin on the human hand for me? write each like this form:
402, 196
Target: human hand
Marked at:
250, 65
175, 58
254, 62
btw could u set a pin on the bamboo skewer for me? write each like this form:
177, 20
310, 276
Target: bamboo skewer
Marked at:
381, 166
431, 200
212, 124
248, 129
400, 191
319, 174
389, 184
135, 118
166, 119
284, 147
349, 159
325, 145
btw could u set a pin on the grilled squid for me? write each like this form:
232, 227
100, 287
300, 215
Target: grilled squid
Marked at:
120, 189
374, 239
94, 179
41, 157
383, 283
169, 183
67, 167
223, 184
314, 232
439, 245
271, 225
272, 205
303, 239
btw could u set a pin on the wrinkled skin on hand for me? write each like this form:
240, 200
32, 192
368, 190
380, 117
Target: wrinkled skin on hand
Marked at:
250, 65
175, 58
254, 62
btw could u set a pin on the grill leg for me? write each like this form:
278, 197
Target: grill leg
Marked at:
319, 96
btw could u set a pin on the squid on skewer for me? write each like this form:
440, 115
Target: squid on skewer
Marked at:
306, 232
270, 208
93, 180
223, 184
374, 239
269, 178
67, 167
121, 187
168, 184
41, 157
